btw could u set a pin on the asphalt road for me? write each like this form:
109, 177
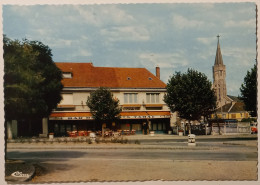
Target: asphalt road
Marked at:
78, 165
239, 154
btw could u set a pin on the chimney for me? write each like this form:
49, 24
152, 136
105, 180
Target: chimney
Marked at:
157, 72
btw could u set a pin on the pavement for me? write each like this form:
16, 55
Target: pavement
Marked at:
19, 171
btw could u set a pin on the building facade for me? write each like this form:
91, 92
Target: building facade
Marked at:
139, 92
232, 111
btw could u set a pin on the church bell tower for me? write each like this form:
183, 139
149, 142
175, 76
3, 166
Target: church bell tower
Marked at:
219, 78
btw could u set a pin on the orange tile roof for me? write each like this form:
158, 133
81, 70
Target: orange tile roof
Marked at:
86, 75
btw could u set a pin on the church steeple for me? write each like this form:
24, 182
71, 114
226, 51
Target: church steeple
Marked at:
219, 78
218, 59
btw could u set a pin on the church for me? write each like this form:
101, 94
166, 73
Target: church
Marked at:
229, 108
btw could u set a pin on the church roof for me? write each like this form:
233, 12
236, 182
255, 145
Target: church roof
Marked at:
232, 107
87, 75
234, 98
218, 59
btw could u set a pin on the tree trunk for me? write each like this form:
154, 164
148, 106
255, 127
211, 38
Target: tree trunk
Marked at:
219, 128
5, 127
103, 129
189, 127
30, 127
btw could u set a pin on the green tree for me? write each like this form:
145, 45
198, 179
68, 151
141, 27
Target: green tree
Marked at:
191, 95
103, 107
32, 81
248, 91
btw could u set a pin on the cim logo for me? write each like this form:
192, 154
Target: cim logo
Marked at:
19, 174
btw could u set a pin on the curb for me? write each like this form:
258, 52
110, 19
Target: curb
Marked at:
241, 143
129, 138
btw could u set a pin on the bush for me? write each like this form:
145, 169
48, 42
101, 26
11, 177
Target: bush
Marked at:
248, 120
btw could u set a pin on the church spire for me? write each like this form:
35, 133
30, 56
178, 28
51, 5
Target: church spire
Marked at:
219, 78
218, 59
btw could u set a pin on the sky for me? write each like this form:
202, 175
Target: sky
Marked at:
173, 36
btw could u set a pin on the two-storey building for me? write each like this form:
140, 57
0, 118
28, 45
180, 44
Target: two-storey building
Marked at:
139, 91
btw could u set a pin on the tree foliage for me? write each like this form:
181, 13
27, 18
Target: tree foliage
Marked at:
190, 94
249, 90
32, 82
103, 106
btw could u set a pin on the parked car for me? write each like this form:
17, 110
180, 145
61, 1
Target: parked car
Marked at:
254, 128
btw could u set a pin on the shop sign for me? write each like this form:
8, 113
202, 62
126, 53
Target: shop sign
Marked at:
122, 117
72, 118
145, 117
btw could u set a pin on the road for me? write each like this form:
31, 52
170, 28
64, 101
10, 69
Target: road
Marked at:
133, 154
226, 162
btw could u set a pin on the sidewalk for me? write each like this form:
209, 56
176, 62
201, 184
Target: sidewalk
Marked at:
165, 136
130, 142
132, 137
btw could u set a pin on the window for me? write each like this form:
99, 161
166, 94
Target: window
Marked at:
130, 97
67, 99
67, 75
159, 126
152, 98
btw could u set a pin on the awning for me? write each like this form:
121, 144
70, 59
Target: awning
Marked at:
66, 106
153, 105
131, 105
124, 115
145, 114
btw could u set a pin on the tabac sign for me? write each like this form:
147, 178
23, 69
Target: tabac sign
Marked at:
145, 117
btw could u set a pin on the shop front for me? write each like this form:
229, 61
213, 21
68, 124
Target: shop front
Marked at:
60, 123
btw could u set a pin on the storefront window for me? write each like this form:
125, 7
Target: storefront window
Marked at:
62, 128
164, 126
136, 127
159, 126
154, 126
56, 128
68, 127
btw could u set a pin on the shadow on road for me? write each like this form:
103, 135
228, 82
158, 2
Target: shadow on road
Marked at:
45, 162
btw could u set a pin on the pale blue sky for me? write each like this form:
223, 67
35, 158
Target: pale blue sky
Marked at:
173, 36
